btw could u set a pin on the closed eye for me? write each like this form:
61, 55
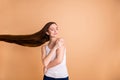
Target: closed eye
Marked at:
56, 28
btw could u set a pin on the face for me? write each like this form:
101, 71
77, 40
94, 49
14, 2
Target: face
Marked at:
53, 30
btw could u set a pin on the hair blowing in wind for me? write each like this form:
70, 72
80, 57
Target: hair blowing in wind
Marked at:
32, 40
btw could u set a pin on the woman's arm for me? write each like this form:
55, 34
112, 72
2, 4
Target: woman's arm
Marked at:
59, 55
58, 49
47, 59
58, 59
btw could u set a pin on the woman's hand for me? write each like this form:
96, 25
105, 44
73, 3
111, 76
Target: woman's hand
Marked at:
59, 43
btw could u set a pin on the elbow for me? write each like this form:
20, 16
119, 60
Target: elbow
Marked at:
59, 61
45, 63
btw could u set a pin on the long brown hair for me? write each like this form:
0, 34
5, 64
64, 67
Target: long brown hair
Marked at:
32, 40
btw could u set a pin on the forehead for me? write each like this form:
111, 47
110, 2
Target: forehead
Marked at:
53, 26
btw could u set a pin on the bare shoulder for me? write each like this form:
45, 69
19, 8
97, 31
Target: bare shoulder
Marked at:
43, 51
63, 44
61, 39
43, 47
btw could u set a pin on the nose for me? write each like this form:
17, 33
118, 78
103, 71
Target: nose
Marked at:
56, 31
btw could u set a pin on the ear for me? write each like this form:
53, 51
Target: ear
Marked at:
47, 33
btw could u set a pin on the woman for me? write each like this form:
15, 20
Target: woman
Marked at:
53, 54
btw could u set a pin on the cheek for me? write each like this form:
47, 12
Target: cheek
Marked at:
51, 32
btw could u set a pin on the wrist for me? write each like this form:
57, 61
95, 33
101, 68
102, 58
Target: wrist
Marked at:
55, 47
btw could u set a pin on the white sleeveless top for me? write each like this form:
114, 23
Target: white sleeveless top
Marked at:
58, 71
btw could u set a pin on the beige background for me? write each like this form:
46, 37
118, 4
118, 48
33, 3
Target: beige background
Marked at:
91, 29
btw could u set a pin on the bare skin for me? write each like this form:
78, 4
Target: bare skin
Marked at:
56, 46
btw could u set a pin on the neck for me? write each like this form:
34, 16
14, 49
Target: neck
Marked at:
52, 41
